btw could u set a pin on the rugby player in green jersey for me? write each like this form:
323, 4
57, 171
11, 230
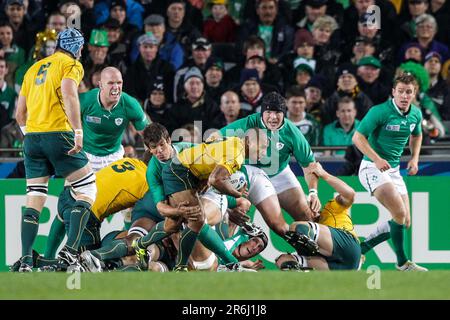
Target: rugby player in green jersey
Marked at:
285, 140
381, 136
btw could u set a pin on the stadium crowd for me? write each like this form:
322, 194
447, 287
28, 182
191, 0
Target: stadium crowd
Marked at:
213, 61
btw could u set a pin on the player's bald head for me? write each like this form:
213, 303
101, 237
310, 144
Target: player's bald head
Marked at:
110, 72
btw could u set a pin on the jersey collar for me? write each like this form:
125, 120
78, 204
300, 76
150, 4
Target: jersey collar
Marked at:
101, 104
264, 125
400, 111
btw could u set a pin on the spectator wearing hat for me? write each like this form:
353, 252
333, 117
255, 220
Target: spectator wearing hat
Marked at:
169, 49
347, 85
128, 12
314, 98
413, 52
214, 78
219, 26
271, 78
309, 10
118, 50
305, 122
181, 27
148, 67
426, 29
438, 87
278, 36
195, 105
304, 71
361, 48
97, 57
250, 91
156, 105
341, 130
201, 51
369, 75
22, 27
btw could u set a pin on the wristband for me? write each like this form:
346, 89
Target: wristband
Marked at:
313, 191
23, 129
78, 132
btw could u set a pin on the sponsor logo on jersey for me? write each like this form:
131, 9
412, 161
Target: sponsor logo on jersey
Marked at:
93, 119
412, 126
393, 127
118, 121
279, 145
404, 122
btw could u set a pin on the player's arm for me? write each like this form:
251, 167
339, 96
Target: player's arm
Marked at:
363, 145
237, 128
305, 157
346, 195
21, 113
415, 142
219, 179
138, 117
69, 90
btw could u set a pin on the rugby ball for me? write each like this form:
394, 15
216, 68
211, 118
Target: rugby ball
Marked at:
238, 180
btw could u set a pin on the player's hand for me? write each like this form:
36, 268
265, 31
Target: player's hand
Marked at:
189, 212
243, 191
382, 165
255, 265
314, 203
413, 167
238, 216
317, 169
78, 145
243, 204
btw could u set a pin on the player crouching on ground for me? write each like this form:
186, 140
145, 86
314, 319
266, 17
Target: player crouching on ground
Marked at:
331, 244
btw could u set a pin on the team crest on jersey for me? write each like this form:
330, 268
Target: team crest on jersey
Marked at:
118, 121
279, 145
412, 126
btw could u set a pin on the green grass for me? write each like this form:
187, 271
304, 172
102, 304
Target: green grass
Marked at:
197, 285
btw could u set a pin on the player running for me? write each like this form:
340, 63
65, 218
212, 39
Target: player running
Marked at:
48, 112
285, 140
331, 244
381, 136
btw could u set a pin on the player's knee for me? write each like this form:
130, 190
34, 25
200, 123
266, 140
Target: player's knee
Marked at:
157, 266
85, 187
37, 189
205, 265
196, 226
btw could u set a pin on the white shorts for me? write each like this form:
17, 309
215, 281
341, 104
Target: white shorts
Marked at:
285, 180
371, 178
99, 162
260, 186
218, 199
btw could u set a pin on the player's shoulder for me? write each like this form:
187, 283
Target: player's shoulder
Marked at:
415, 110
128, 100
333, 206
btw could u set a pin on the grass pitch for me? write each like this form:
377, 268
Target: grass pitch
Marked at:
197, 285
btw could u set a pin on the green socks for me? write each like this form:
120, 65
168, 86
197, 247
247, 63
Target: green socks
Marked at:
79, 217
30, 226
156, 234
187, 242
398, 239
381, 234
211, 240
116, 249
55, 237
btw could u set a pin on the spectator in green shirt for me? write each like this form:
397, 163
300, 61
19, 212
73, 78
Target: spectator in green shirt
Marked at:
7, 96
340, 131
14, 55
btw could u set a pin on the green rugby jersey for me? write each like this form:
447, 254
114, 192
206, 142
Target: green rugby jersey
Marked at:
154, 172
283, 143
234, 241
388, 129
103, 129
